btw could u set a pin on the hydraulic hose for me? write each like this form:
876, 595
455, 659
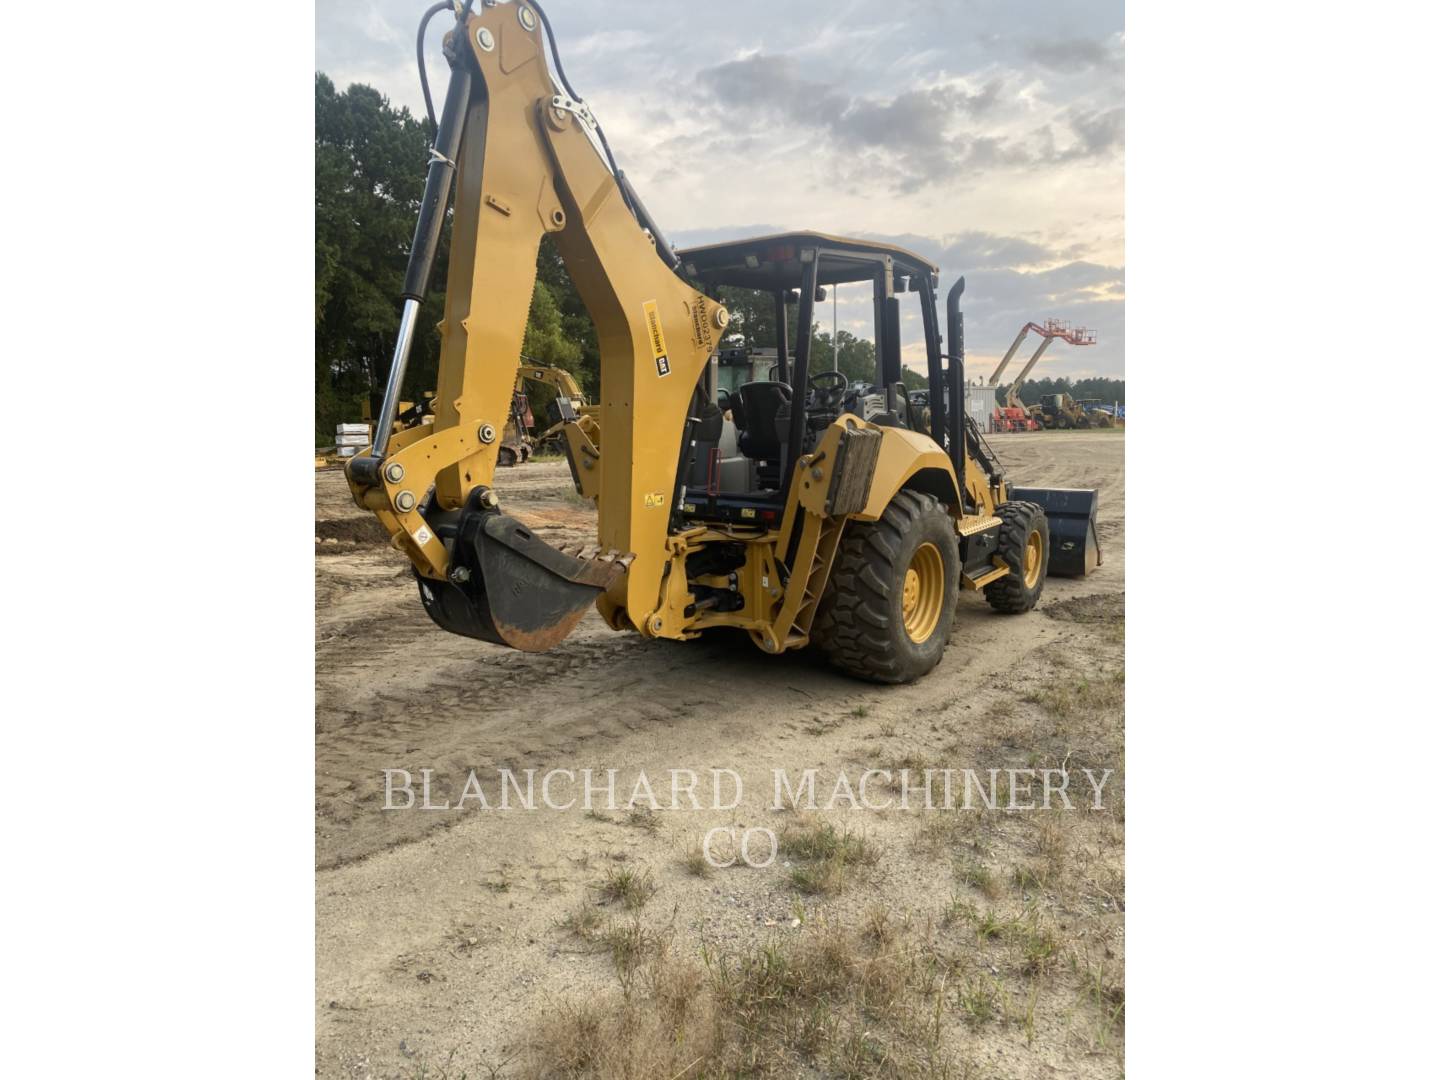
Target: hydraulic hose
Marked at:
565, 82
430, 13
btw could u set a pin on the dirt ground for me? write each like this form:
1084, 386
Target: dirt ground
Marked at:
445, 939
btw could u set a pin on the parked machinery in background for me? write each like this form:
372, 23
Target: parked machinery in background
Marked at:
568, 403
1011, 414
1100, 414
1060, 412
516, 441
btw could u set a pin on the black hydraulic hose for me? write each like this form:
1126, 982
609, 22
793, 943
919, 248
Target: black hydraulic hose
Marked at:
565, 82
430, 13
435, 9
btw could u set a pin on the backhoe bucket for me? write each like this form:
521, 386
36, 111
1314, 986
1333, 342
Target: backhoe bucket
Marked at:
509, 587
1074, 541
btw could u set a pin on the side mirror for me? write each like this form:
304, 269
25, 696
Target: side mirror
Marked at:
820, 294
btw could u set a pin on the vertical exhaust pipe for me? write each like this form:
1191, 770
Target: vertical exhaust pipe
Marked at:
955, 383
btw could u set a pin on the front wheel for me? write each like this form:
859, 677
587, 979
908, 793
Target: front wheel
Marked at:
1025, 547
891, 597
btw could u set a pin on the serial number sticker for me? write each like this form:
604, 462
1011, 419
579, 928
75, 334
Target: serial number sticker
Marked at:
422, 536
656, 333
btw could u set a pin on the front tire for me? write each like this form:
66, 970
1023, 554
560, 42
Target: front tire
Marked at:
1025, 547
891, 598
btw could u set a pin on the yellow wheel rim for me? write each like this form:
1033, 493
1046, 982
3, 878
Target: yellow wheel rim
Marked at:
923, 594
1034, 549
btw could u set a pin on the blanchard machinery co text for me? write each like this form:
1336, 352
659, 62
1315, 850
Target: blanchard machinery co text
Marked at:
724, 789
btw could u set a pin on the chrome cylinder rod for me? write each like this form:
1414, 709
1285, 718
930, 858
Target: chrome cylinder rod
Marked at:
391, 401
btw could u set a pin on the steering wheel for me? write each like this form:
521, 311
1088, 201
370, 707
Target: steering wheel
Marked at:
829, 388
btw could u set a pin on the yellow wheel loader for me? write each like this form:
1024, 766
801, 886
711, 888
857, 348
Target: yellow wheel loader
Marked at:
793, 520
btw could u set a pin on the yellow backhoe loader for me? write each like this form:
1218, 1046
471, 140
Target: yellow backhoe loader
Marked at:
794, 520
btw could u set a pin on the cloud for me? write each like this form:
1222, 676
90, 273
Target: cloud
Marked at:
987, 137
1074, 54
912, 137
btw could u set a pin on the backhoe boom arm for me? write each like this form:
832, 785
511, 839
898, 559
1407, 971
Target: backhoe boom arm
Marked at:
526, 166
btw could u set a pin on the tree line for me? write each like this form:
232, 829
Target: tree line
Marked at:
369, 178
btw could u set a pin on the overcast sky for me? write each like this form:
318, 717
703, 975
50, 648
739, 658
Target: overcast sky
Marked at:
985, 134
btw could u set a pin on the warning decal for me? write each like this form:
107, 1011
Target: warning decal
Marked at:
657, 339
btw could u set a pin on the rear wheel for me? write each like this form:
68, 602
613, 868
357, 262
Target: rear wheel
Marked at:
891, 598
1025, 547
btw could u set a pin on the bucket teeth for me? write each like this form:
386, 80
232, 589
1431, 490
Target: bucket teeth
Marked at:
595, 553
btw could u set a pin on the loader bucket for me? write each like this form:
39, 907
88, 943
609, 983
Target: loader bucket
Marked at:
509, 587
1074, 541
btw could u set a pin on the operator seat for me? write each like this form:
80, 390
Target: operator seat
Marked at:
760, 404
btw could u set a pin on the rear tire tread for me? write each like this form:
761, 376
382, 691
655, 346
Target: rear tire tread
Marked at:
854, 626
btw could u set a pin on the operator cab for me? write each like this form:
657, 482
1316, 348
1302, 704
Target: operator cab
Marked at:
765, 401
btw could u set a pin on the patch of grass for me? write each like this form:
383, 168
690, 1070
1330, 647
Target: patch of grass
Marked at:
629, 943
1031, 877
878, 929
1107, 994
628, 886
643, 818
958, 910
1037, 945
978, 1001
830, 1003
812, 840
584, 922
1102, 988
990, 926
978, 876
828, 857
936, 834
1085, 697
695, 862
